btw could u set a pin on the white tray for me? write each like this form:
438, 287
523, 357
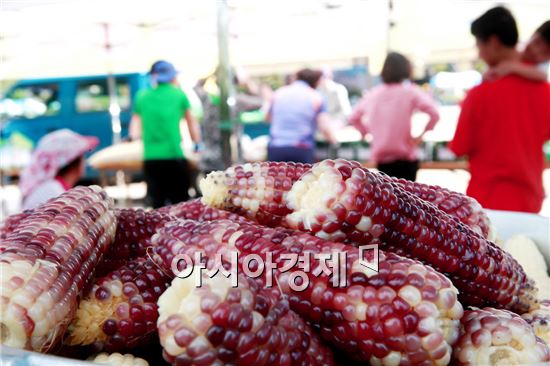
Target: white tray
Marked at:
16, 357
533, 226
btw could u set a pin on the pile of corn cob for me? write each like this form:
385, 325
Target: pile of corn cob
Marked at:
77, 274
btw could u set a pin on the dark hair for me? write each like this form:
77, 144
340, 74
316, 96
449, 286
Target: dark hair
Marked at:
396, 68
544, 31
309, 76
497, 22
70, 166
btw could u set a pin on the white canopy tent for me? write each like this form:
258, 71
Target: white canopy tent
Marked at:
42, 38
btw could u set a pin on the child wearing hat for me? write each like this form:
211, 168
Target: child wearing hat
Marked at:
56, 165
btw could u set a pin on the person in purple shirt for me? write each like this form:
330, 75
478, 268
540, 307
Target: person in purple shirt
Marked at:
297, 111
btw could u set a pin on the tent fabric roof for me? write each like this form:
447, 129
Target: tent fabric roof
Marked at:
64, 37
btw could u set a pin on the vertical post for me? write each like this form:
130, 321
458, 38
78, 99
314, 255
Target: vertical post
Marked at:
114, 107
224, 78
3, 194
390, 25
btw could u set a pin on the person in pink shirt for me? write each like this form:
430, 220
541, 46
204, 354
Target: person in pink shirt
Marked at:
385, 112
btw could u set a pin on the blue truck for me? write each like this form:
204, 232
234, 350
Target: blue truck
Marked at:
34, 107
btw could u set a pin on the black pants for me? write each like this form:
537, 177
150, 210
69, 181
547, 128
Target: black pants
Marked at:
400, 169
167, 181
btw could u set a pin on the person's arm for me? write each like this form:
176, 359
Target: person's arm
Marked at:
323, 124
247, 102
134, 130
356, 118
323, 121
269, 113
193, 126
343, 99
524, 70
425, 103
463, 142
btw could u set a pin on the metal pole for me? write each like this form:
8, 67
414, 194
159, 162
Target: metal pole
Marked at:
3, 195
224, 78
114, 107
390, 25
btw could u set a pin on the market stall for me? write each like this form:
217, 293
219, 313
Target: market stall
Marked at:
426, 255
277, 263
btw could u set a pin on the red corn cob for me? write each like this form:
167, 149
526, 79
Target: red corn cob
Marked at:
540, 321
136, 226
253, 190
12, 221
406, 314
339, 200
217, 324
465, 209
46, 263
120, 312
133, 236
498, 337
198, 211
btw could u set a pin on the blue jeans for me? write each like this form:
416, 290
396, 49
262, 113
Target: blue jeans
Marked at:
291, 153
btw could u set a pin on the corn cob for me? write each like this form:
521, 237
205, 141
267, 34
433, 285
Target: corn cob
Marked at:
498, 337
198, 211
405, 314
540, 321
46, 263
117, 359
341, 201
464, 208
12, 221
133, 236
217, 324
120, 311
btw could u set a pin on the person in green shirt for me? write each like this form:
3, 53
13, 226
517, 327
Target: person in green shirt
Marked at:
157, 116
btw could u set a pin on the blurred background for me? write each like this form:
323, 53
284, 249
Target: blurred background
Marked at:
80, 63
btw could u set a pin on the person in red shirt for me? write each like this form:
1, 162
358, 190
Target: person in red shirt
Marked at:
503, 124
